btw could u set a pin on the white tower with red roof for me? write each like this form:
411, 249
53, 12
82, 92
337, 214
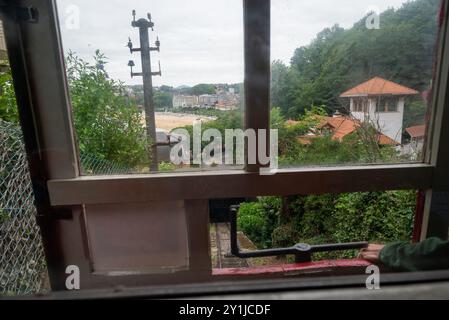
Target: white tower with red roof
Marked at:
382, 103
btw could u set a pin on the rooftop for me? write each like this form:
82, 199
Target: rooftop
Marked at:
340, 126
377, 87
417, 131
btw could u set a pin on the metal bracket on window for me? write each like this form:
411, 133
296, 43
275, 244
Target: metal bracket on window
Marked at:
302, 251
25, 14
28, 14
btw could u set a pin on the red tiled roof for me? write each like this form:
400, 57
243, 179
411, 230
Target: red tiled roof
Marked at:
384, 140
342, 126
417, 131
378, 86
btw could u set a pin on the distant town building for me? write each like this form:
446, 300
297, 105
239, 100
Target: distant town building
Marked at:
183, 101
380, 102
228, 101
223, 100
208, 100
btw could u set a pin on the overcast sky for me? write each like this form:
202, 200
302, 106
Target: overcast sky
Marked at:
201, 40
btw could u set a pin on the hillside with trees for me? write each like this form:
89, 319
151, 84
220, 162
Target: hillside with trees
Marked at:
402, 50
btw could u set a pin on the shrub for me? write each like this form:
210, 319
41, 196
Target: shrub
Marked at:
259, 219
316, 215
166, 167
374, 216
108, 124
252, 222
364, 216
284, 236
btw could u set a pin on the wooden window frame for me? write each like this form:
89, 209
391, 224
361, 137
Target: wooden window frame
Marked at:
37, 61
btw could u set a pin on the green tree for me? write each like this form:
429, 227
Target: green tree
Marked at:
166, 89
163, 99
8, 105
107, 123
402, 50
202, 88
415, 113
279, 84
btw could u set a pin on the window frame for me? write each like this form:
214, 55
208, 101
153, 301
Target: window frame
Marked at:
361, 104
61, 192
383, 104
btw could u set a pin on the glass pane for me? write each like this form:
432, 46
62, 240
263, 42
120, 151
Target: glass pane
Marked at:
196, 61
352, 85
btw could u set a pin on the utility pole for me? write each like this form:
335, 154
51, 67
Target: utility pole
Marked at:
146, 74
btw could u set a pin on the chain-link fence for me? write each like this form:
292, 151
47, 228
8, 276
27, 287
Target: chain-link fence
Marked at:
22, 263
92, 165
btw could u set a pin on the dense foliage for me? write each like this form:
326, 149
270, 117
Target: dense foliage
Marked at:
162, 96
361, 146
108, 124
162, 100
365, 216
338, 59
259, 219
8, 105
202, 88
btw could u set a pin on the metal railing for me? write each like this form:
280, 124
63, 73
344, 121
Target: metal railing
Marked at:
302, 251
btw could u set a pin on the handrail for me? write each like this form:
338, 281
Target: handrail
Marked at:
302, 251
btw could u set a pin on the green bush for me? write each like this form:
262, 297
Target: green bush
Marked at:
8, 106
374, 216
166, 167
315, 213
284, 236
365, 216
252, 222
259, 219
108, 124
